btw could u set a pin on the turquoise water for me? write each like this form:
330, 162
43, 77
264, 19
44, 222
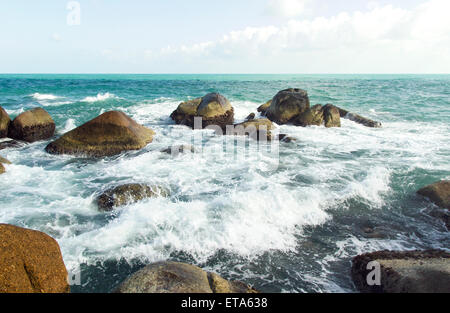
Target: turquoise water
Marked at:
287, 222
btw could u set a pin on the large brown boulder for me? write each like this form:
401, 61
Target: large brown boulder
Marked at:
287, 105
4, 123
30, 262
438, 193
403, 272
108, 134
127, 194
258, 129
213, 109
173, 277
331, 116
312, 116
31, 126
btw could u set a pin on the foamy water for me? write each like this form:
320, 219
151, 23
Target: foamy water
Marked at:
289, 221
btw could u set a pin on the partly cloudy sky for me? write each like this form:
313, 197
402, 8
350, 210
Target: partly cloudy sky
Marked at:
233, 36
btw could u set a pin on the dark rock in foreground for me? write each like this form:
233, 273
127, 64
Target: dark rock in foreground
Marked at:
4, 123
404, 272
213, 109
438, 193
127, 194
173, 277
30, 262
108, 134
31, 126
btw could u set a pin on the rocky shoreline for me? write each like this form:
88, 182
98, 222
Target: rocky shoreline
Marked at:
31, 261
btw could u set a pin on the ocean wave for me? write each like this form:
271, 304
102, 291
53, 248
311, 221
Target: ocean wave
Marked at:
100, 97
40, 96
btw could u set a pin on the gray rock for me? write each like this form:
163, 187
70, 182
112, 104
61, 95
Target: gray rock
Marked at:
438, 193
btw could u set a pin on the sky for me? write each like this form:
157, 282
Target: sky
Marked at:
218, 36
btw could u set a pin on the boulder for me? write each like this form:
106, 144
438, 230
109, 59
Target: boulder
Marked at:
2, 169
312, 116
31, 126
250, 117
106, 135
4, 123
359, 119
175, 150
213, 109
438, 193
3, 161
331, 116
30, 262
263, 108
127, 194
287, 105
259, 129
403, 272
173, 277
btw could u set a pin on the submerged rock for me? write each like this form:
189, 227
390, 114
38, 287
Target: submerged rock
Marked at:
359, 119
10, 144
259, 129
443, 215
173, 277
108, 134
127, 194
31, 126
403, 272
175, 150
4, 123
250, 117
288, 104
438, 193
213, 109
30, 262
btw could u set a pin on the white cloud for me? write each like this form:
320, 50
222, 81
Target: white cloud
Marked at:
383, 39
287, 8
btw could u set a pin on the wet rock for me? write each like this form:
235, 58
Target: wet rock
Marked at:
258, 129
2, 169
331, 116
173, 277
263, 108
31, 126
443, 215
359, 119
403, 272
4, 123
213, 109
127, 194
108, 134
287, 105
438, 193
285, 138
3, 161
30, 262
312, 116
175, 150
10, 144
250, 117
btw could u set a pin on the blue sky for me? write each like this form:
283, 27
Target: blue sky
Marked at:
251, 36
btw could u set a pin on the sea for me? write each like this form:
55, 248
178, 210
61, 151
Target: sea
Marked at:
285, 222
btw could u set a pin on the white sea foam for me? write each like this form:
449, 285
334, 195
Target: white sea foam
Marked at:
40, 96
99, 97
68, 126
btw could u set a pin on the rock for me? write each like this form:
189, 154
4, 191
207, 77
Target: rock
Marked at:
127, 194
404, 272
442, 214
250, 117
438, 193
359, 119
287, 105
10, 144
106, 135
31, 126
4, 123
3, 161
263, 108
214, 109
331, 116
173, 277
30, 262
175, 150
312, 116
259, 129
